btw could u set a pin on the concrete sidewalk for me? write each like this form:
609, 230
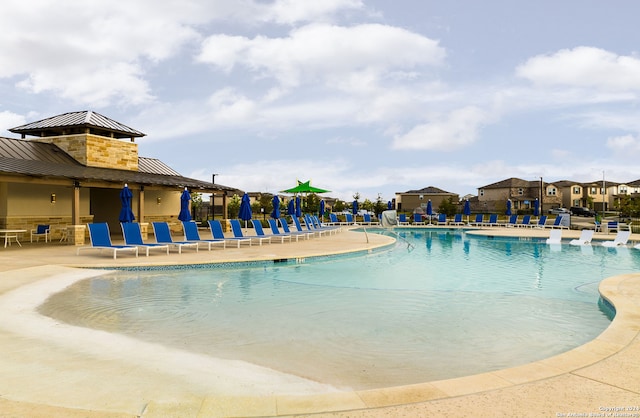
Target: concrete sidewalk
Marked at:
41, 378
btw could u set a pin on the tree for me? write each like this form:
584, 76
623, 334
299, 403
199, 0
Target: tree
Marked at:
448, 206
233, 207
339, 205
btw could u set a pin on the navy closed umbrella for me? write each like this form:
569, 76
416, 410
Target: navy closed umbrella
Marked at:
467, 209
508, 211
276, 207
429, 210
245, 209
536, 208
389, 205
185, 213
291, 209
298, 207
126, 214
322, 208
354, 207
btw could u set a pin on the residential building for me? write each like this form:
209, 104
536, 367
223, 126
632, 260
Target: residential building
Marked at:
522, 193
416, 200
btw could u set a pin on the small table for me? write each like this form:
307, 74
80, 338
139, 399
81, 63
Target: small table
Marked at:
9, 234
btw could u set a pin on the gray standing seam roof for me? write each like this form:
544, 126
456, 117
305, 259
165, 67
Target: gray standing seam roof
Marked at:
38, 159
86, 118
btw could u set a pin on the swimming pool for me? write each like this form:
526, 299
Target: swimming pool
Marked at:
440, 304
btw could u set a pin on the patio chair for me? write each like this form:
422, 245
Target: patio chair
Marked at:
493, 220
417, 219
163, 236
621, 239
133, 236
555, 236
457, 220
101, 240
513, 220
296, 234
191, 234
309, 226
526, 221
542, 221
236, 229
611, 226
586, 235
349, 220
216, 231
41, 231
257, 227
275, 231
315, 222
478, 221
368, 220
402, 219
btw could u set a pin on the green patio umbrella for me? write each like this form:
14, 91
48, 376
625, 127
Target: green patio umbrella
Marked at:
305, 188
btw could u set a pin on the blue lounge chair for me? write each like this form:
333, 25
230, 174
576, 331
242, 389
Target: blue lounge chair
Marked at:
275, 231
316, 223
349, 219
236, 228
334, 219
163, 236
41, 231
513, 220
493, 220
191, 234
526, 221
101, 240
479, 220
417, 219
368, 220
457, 220
542, 221
133, 236
257, 227
442, 219
217, 233
402, 219
296, 234
557, 223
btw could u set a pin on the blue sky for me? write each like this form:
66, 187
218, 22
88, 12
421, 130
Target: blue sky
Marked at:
368, 97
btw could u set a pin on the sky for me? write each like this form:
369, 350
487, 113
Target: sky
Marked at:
368, 97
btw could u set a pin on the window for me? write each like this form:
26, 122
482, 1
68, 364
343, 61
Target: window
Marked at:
577, 190
622, 190
520, 191
481, 192
593, 190
551, 191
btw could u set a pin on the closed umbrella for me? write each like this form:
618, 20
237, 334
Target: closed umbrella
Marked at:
245, 209
429, 210
389, 205
508, 211
467, 209
298, 207
322, 208
536, 208
185, 214
291, 208
276, 207
126, 214
354, 207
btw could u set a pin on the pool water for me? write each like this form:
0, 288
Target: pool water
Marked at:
439, 304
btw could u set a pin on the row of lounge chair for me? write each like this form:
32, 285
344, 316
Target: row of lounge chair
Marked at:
479, 220
100, 236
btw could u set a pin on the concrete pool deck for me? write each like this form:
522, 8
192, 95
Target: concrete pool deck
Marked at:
45, 378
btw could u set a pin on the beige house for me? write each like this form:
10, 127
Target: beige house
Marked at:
416, 200
70, 172
492, 198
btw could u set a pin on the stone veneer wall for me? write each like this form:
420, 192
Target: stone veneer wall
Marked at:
56, 224
98, 151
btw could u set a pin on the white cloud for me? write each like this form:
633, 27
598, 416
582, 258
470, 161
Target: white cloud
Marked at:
293, 11
10, 120
583, 67
625, 146
444, 132
323, 53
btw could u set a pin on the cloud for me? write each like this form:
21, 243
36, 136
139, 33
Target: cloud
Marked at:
446, 132
294, 11
322, 53
625, 146
584, 67
10, 120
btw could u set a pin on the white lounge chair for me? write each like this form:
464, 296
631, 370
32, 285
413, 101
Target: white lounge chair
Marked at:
555, 236
585, 238
621, 239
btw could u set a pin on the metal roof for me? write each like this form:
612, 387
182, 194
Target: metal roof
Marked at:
74, 122
37, 159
